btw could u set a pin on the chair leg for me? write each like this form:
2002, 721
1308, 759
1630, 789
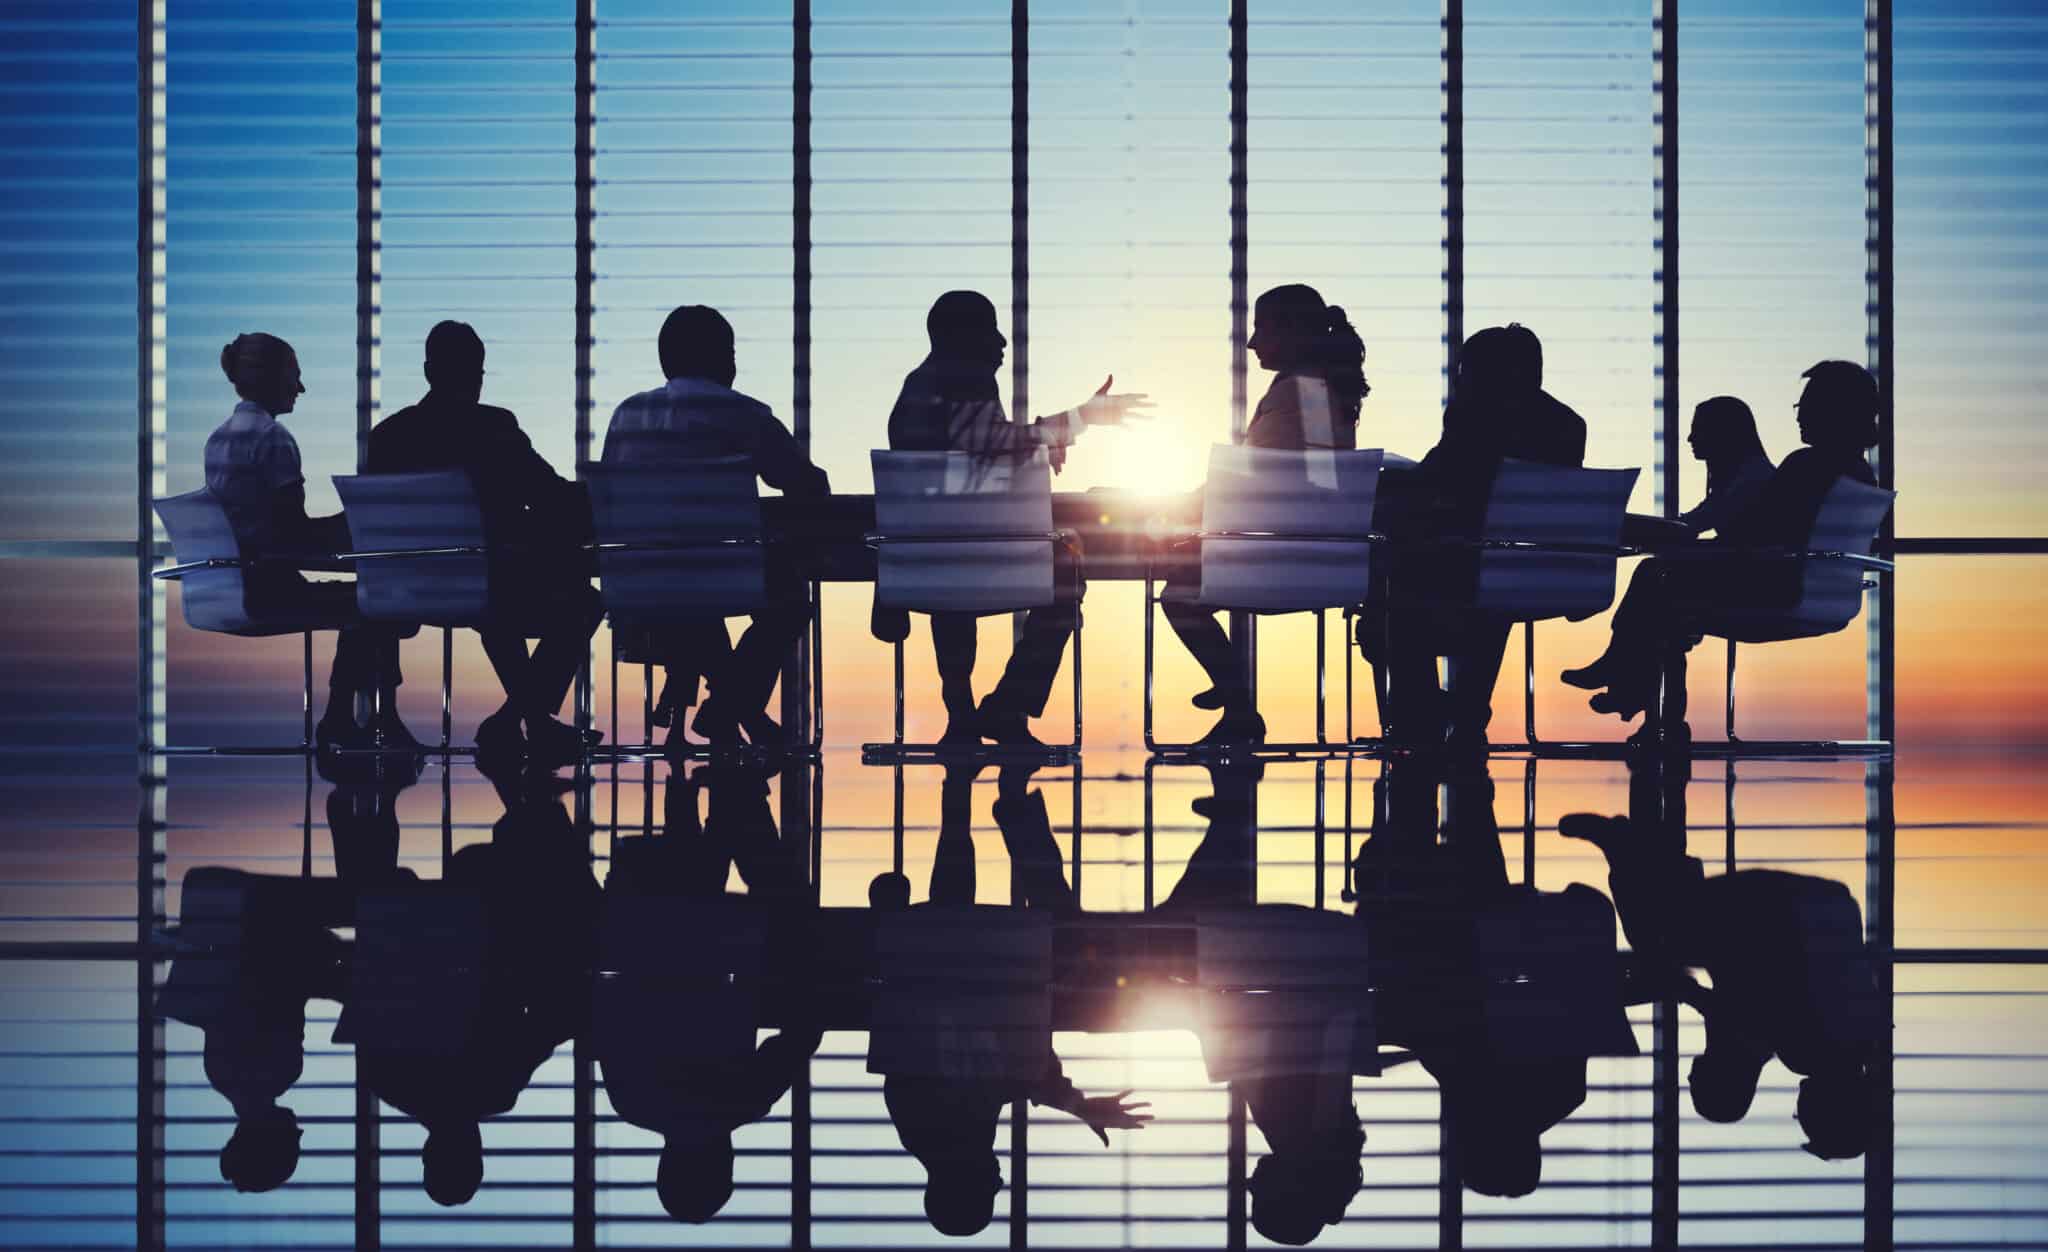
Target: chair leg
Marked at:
1322, 734
1151, 605
817, 737
1731, 690
1077, 680
646, 704
448, 689
1529, 682
899, 692
1348, 631
306, 705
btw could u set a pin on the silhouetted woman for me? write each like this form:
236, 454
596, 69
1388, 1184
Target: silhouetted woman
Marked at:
1837, 423
1724, 438
1318, 362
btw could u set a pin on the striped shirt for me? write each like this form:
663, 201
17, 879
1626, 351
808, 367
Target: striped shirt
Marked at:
696, 419
948, 408
252, 465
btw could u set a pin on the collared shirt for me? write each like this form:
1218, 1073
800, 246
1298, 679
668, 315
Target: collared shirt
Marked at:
946, 407
252, 465
695, 418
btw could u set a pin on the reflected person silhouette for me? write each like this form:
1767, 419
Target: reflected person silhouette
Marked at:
951, 403
463, 988
961, 1025
1290, 1044
676, 1043
539, 587
694, 416
1655, 624
253, 948
253, 469
1502, 991
1784, 951
1318, 365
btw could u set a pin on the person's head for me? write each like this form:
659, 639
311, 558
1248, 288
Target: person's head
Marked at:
1294, 1196
263, 1152
264, 371
1723, 1083
694, 1177
1501, 362
960, 1195
696, 342
1834, 1111
452, 1163
1506, 1164
1723, 432
1838, 406
888, 891
962, 327
1293, 330
455, 362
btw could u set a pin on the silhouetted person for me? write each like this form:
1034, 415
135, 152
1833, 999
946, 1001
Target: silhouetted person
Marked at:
950, 403
1318, 363
1501, 991
1498, 411
697, 415
268, 950
1299, 1097
1785, 952
252, 467
539, 909
1724, 439
678, 1054
533, 518
1652, 627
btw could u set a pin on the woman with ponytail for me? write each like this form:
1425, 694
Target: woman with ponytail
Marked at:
1318, 362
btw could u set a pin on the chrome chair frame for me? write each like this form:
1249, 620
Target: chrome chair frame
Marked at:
1322, 744
896, 751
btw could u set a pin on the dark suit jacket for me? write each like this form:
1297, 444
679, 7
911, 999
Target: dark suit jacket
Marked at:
523, 499
1477, 436
1790, 501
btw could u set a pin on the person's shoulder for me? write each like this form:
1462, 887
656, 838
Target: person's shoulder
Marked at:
1560, 412
492, 417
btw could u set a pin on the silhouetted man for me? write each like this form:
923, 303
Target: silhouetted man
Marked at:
1785, 954
253, 469
1498, 410
950, 403
694, 416
676, 1041
533, 520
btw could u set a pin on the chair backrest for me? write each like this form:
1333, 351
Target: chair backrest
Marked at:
998, 508
700, 523
1284, 991
214, 599
1831, 592
1551, 504
395, 512
1314, 492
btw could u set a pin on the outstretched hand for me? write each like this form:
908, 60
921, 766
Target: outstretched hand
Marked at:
1104, 409
1104, 1113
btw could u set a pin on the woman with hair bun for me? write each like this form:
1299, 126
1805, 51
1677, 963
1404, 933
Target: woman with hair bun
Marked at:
1318, 362
252, 467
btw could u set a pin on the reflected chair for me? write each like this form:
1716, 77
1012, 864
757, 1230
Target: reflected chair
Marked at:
965, 993
960, 532
680, 544
211, 574
1282, 532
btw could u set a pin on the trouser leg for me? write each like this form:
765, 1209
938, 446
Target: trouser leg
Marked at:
1210, 646
743, 686
1027, 833
560, 654
1027, 680
954, 636
1409, 659
1473, 675
506, 648
953, 879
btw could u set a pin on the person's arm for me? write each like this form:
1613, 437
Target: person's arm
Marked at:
277, 459
782, 462
1053, 1090
772, 1071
